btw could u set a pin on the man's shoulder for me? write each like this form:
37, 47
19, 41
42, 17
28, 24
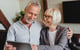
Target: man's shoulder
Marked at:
38, 23
14, 24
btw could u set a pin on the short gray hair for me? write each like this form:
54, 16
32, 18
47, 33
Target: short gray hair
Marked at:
55, 13
35, 3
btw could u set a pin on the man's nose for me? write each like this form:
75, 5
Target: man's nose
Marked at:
32, 16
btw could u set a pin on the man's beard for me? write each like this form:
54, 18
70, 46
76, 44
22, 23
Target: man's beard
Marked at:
29, 22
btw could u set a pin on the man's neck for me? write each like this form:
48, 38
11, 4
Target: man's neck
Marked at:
25, 23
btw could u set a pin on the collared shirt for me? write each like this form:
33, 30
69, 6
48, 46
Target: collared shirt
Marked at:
20, 33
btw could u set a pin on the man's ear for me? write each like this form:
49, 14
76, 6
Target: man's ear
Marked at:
25, 10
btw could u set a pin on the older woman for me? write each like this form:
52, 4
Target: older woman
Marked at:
53, 36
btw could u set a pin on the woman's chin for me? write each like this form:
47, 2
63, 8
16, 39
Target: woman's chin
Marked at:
47, 25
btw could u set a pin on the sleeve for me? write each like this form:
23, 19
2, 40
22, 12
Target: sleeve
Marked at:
11, 34
41, 38
60, 46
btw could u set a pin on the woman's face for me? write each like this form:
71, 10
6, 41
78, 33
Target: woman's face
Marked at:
48, 20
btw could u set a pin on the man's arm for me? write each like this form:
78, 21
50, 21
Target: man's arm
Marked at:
10, 37
11, 34
9, 47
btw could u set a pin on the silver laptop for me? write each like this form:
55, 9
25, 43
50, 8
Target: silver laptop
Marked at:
20, 46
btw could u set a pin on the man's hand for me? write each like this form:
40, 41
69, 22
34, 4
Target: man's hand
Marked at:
9, 47
70, 33
34, 47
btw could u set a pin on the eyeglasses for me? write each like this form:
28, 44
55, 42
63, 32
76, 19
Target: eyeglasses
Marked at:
47, 16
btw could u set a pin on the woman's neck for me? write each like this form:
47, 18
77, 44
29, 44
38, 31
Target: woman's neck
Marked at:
53, 27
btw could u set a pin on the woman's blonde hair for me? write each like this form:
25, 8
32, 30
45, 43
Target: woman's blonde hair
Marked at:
55, 13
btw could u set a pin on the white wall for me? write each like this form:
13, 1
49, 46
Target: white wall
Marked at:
9, 8
23, 3
75, 27
58, 3
55, 3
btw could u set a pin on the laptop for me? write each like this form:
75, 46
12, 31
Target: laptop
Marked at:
20, 46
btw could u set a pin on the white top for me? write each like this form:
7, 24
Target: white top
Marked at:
20, 33
52, 36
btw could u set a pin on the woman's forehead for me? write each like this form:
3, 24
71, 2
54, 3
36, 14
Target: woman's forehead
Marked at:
48, 14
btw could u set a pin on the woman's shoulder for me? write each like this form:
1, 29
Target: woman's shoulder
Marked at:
62, 28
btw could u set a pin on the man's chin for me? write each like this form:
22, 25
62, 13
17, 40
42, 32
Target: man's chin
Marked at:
47, 25
29, 22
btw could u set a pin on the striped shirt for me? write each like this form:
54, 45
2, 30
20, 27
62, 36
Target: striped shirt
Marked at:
20, 33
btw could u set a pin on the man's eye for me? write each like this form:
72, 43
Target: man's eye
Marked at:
45, 16
30, 13
35, 14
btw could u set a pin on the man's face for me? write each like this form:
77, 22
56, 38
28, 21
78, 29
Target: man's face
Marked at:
31, 13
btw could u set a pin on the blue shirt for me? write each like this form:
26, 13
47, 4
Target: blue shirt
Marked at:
20, 33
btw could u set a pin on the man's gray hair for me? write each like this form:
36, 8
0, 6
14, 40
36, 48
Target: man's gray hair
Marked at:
35, 3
